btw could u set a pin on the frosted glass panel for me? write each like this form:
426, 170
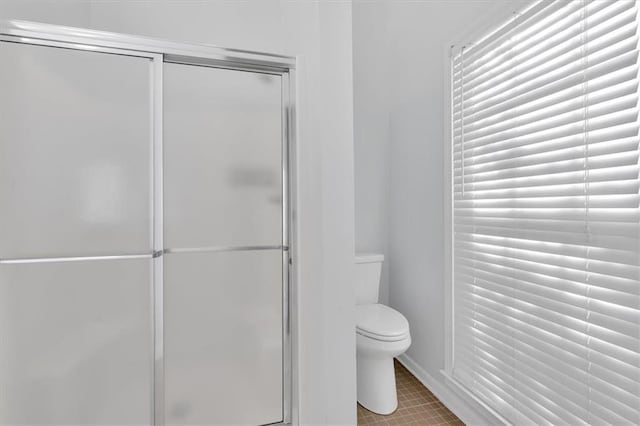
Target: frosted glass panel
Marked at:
76, 343
223, 338
75, 152
223, 179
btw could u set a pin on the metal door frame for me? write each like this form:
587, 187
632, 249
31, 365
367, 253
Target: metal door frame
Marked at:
159, 52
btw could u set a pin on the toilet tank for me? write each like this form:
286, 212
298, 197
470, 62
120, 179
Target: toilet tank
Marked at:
368, 269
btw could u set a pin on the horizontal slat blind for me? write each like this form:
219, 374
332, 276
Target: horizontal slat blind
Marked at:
546, 215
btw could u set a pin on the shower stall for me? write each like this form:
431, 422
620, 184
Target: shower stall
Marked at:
145, 229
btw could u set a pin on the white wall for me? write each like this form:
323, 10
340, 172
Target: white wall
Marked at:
371, 129
399, 54
420, 32
319, 33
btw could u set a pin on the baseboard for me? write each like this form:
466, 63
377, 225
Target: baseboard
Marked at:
467, 411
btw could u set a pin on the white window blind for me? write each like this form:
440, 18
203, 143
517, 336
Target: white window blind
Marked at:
546, 213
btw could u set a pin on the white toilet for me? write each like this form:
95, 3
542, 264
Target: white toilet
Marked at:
382, 333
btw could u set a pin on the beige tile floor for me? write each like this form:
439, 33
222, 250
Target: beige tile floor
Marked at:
416, 405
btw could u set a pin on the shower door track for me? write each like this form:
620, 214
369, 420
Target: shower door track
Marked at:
160, 52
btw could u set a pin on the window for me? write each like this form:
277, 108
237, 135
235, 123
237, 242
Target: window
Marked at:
545, 215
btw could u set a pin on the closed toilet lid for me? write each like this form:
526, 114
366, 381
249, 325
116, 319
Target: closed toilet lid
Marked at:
381, 322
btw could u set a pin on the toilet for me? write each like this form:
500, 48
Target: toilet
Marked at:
382, 334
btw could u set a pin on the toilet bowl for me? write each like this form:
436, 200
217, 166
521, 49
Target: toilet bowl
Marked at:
382, 334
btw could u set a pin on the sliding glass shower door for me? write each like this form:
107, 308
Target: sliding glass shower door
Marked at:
75, 240
143, 237
223, 222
